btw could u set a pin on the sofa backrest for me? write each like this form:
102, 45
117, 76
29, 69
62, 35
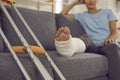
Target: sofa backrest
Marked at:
42, 24
74, 25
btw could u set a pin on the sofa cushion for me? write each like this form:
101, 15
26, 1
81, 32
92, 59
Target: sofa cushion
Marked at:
81, 66
1, 40
100, 78
10, 71
42, 24
75, 27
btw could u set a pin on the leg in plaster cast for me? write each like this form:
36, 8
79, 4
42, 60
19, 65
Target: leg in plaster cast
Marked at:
66, 45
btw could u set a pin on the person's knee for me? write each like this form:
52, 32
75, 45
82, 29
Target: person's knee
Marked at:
112, 45
111, 49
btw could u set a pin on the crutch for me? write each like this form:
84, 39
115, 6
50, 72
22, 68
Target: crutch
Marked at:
36, 61
38, 43
15, 56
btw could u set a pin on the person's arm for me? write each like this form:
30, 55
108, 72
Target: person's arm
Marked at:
66, 10
114, 34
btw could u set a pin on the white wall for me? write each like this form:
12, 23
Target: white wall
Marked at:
35, 4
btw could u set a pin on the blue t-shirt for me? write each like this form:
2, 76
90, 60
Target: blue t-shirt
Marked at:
96, 25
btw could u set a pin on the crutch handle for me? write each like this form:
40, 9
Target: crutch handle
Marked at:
9, 1
35, 49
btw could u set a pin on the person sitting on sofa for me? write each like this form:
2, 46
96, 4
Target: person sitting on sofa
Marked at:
100, 24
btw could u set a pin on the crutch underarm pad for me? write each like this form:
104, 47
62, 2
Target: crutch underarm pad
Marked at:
9, 1
35, 49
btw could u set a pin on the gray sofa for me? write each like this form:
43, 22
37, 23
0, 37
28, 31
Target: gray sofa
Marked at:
85, 66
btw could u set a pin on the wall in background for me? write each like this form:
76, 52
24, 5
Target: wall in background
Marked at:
35, 4
59, 4
111, 4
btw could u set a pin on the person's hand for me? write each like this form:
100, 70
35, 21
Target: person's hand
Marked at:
109, 40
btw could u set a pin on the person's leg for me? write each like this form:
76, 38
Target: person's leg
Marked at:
90, 46
66, 45
112, 52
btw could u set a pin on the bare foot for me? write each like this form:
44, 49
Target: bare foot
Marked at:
63, 34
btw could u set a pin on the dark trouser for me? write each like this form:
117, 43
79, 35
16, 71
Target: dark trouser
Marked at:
111, 51
90, 46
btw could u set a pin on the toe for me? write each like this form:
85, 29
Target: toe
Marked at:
61, 29
66, 30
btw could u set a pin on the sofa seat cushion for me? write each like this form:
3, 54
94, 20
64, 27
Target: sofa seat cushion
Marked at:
10, 71
100, 78
81, 66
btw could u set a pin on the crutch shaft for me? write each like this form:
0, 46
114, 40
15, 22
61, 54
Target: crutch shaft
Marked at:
39, 44
37, 62
15, 56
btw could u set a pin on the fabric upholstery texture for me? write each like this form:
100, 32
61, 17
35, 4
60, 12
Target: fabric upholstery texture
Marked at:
10, 71
44, 32
86, 66
81, 66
